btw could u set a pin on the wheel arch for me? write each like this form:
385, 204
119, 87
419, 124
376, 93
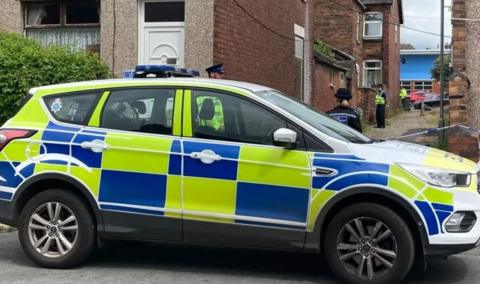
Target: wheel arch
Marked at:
369, 194
44, 181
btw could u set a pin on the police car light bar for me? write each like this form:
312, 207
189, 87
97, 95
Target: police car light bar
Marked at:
161, 71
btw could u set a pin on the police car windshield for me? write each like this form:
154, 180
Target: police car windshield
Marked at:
316, 119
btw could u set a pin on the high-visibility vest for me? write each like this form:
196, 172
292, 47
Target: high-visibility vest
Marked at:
379, 100
403, 93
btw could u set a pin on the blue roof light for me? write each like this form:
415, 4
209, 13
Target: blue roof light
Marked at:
163, 71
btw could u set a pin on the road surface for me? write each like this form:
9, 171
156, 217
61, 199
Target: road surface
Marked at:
160, 263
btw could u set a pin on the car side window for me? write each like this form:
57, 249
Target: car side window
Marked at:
228, 117
140, 110
72, 108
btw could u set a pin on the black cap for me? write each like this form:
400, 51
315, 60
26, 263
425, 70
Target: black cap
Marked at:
217, 68
343, 94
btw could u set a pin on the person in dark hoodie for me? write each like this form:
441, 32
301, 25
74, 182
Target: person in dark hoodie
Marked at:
343, 112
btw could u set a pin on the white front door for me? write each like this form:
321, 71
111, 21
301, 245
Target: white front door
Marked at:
161, 32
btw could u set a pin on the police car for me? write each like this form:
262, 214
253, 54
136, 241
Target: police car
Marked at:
225, 163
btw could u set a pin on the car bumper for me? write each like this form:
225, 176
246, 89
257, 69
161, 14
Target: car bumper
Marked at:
7, 213
441, 251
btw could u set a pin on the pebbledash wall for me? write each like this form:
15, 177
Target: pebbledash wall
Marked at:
120, 33
255, 40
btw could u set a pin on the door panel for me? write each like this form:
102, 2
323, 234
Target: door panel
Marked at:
140, 188
241, 193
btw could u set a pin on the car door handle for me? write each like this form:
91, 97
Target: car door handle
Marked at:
206, 156
96, 146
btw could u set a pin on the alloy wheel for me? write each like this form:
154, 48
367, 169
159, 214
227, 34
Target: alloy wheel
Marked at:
53, 229
367, 248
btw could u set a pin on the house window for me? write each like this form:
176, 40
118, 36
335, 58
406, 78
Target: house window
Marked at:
358, 27
299, 33
331, 77
373, 27
357, 71
343, 80
72, 23
156, 12
372, 72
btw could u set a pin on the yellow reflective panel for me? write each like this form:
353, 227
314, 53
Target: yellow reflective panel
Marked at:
137, 153
442, 159
187, 114
174, 196
31, 115
318, 201
43, 168
438, 196
209, 195
274, 166
91, 179
403, 182
97, 113
177, 113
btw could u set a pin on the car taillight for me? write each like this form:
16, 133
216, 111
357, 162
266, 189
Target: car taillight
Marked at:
7, 135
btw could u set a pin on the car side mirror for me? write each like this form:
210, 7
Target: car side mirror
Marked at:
285, 138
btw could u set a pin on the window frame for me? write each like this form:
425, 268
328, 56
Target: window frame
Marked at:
63, 15
88, 117
358, 23
366, 22
289, 123
366, 69
112, 90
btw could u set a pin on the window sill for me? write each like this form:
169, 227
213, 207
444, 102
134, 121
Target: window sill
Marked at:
373, 38
332, 86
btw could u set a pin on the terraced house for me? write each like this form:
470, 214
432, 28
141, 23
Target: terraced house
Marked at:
368, 32
267, 42
187, 33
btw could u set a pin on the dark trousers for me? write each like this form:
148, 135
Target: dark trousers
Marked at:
380, 116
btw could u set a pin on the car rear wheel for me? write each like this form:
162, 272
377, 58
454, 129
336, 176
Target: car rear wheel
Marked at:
369, 243
56, 229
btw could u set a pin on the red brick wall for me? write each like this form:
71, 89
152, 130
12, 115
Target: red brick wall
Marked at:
388, 51
336, 25
459, 33
323, 94
253, 53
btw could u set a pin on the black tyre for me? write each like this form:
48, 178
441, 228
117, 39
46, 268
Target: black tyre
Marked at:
369, 243
56, 229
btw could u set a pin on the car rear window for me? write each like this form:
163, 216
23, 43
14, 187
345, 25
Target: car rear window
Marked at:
72, 108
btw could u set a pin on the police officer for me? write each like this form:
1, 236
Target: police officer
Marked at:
343, 112
216, 71
380, 102
405, 99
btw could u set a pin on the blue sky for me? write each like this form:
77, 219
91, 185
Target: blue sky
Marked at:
424, 15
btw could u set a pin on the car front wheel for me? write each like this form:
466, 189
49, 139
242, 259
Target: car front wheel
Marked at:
369, 243
56, 229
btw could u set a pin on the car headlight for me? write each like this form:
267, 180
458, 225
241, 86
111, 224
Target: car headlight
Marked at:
439, 177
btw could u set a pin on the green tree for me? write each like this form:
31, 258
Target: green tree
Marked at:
25, 64
447, 71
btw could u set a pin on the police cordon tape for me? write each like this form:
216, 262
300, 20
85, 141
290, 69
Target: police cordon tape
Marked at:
438, 129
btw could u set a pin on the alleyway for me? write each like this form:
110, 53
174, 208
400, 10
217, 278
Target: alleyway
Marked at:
407, 123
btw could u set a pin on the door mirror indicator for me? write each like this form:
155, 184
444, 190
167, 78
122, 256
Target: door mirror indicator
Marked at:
284, 137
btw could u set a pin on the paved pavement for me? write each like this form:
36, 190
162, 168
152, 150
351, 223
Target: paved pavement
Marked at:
155, 263
406, 123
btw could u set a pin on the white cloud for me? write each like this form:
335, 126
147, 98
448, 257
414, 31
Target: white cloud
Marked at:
424, 15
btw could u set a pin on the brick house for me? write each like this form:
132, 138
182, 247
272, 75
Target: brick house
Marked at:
464, 89
257, 41
367, 30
